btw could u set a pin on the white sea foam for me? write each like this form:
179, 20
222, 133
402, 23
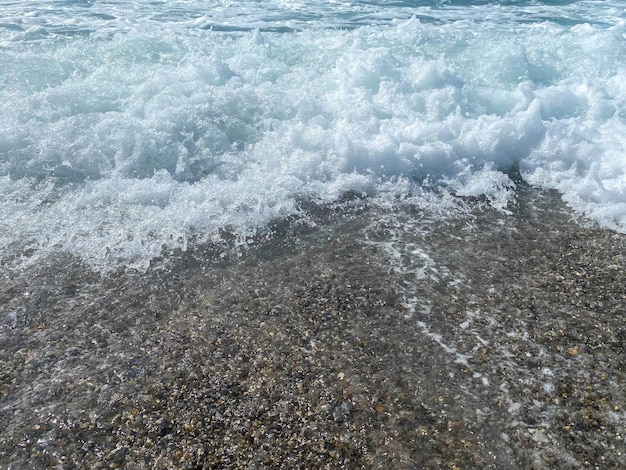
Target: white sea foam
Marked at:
126, 128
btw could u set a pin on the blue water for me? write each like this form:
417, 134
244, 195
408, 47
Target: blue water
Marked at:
127, 128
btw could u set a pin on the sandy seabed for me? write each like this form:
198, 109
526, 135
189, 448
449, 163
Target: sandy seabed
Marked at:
381, 338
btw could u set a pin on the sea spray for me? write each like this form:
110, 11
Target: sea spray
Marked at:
128, 132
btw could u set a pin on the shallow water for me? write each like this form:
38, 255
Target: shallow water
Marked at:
251, 234
389, 337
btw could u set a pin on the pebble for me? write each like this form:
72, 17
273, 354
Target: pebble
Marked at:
303, 355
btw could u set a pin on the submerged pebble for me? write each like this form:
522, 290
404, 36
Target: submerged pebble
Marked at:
344, 371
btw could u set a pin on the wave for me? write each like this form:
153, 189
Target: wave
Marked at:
120, 144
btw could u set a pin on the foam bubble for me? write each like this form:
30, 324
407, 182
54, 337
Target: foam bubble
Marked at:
148, 131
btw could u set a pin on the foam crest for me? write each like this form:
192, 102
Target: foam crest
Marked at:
139, 138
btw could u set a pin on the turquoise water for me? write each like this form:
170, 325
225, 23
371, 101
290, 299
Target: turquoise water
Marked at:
127, 129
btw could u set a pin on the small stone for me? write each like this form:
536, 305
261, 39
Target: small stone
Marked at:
573, 351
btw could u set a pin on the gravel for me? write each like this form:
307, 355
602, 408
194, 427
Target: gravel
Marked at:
384, 337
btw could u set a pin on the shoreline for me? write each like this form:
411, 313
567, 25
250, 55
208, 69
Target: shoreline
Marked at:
387, 339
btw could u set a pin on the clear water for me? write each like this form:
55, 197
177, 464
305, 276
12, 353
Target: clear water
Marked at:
127, 128
422, 326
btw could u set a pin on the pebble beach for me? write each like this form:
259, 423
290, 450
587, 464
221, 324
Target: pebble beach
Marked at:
326, 347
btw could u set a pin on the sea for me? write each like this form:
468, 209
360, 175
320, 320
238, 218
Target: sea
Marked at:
132, 128
157, 151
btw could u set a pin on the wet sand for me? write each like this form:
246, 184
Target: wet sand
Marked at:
378, 339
